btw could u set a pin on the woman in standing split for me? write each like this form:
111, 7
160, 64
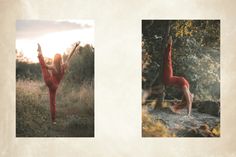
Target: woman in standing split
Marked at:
52, 75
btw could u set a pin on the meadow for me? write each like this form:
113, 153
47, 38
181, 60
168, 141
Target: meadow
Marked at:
74, 111
74, 100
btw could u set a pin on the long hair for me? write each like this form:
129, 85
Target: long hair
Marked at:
57, 62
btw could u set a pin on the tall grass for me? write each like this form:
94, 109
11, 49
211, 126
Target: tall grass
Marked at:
74, 110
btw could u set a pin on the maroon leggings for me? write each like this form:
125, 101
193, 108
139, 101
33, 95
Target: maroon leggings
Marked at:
52, 86
168, 77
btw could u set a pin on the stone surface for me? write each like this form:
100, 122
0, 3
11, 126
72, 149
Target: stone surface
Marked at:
198, 125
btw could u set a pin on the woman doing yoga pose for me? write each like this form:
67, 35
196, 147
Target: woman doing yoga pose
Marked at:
52, 75
180, 82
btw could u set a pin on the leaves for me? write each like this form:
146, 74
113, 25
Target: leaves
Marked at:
195, 55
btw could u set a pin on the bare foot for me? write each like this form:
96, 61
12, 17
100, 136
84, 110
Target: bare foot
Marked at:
170, 40
39, 50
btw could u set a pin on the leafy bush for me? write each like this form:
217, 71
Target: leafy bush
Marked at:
30, 71
81, 66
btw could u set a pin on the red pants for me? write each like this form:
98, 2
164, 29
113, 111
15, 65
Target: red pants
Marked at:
52, 86
168, 77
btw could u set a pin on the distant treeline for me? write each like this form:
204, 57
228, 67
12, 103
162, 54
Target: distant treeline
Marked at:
81, 67
30, 71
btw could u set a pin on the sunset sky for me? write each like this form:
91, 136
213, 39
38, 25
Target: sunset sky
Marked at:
53, 36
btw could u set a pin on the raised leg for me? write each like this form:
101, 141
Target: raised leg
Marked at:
168, 70
45, 72
169, 79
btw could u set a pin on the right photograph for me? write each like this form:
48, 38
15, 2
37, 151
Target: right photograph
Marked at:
180, 78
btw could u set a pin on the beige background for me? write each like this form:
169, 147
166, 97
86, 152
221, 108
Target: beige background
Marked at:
117, 77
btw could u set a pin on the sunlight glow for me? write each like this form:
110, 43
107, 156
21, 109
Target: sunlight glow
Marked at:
52, 43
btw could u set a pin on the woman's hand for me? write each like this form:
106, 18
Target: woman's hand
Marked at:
77, 43
39, 50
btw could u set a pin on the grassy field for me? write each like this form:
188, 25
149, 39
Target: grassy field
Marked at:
74, 110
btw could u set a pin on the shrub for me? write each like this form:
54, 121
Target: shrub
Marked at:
81, 66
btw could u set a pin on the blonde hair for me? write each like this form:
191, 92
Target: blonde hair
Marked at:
57, 62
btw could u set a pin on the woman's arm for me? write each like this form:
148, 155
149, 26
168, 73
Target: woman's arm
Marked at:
50, 67
66, 63
72, 52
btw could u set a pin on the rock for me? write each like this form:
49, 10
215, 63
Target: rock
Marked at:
194, 132
209, 107
204, 127
202, 131
179, 124
195, 104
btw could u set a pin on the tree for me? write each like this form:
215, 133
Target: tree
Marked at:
81, 67
195, 45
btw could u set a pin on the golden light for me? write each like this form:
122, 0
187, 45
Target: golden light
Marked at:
52, 43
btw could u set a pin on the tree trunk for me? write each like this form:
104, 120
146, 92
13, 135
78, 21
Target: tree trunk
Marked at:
157, 86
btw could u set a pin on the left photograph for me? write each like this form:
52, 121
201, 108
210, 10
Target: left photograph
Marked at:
54, 78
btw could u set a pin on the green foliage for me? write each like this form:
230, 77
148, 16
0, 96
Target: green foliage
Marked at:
205, 32
81, 67
30, 71
195, 55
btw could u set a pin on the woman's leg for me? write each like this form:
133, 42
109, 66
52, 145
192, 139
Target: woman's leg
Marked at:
45, 72
53, 104
168, 70
169, 79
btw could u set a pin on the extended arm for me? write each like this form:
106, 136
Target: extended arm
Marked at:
72, 52
66, 63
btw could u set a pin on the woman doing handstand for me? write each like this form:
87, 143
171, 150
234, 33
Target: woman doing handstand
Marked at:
180, 82
52, 75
